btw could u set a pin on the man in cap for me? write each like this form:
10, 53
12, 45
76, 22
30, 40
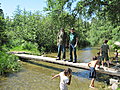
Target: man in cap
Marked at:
73, 43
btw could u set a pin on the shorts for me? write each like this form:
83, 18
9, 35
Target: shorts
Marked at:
105, 56
92, 73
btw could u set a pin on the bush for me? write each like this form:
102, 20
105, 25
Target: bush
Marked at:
111, 43
8, 63
29, 46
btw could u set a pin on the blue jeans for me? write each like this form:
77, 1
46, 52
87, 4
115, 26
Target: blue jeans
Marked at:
61, 48
72, 48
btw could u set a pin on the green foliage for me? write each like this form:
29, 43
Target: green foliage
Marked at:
33, 31
3, 37
101, 8
115, 47
8, 63
29, 46
101, 30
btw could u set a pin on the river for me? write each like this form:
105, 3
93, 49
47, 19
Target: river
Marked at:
36, 75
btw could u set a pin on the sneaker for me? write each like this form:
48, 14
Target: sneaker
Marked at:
64, 59
57, 58
70, 61
74, 62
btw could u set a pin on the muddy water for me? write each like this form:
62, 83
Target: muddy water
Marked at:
36, 75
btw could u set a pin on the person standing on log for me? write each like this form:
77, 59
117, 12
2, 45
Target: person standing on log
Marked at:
61, 42
105, 53
73, 44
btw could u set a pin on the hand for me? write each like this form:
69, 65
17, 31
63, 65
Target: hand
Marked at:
52, 77
75, 45
70, 75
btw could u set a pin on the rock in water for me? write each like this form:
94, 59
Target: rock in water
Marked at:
114, 86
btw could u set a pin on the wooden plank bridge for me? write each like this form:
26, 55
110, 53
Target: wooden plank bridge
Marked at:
108, 71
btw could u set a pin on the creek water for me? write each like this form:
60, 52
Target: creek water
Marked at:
36, 75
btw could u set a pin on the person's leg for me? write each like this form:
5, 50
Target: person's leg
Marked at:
59, 52
102, 63
108, 65
107, 59
71, 57
92, 83
75, 55
116, 59
102, 59
64, 52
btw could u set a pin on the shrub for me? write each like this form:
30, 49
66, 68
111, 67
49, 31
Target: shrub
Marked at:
29, 46
8, 63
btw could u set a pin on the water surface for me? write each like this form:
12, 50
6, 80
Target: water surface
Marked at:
36, 75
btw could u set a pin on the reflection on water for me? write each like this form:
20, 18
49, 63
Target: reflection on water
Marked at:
86, 54
83, 55
80, 73
36, 75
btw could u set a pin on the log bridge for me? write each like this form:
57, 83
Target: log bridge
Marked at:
108, 71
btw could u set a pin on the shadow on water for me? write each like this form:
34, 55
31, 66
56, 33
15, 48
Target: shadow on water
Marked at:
81, 73
42, 65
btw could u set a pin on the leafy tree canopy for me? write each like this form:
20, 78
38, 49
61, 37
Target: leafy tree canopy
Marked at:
107, 9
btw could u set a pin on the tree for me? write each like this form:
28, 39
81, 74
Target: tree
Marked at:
3, 36
107, 9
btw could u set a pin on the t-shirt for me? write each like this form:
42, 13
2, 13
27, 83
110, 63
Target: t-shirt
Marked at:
73, 37
63, 79
105, 48
99, 58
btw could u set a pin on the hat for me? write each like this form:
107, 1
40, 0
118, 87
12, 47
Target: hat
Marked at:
72, 29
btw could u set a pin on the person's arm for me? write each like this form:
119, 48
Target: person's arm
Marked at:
57, 38
101, 49
89, 64
108, 52
69, 79
57, 75
76, 42
66, 43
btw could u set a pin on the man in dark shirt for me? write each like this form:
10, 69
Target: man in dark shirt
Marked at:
73, 43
